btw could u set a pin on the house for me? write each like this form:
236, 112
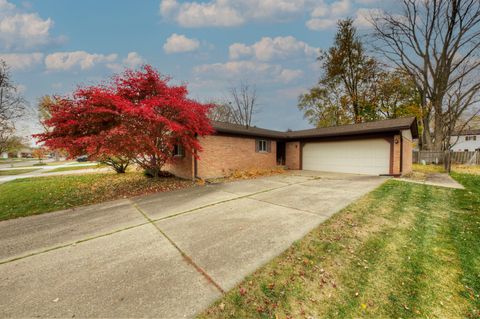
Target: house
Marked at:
25, 152
373, 148
466, 140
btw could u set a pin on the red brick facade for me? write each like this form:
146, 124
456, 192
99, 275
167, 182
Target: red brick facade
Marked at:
223, 154
182, 166
293, 155
407, 155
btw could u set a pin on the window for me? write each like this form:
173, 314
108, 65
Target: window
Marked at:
262, 146
471, 138
178, 150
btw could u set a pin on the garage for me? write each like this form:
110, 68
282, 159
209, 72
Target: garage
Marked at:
366, 156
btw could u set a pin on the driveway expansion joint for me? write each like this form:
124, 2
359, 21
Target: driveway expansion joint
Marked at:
185, 256
70, 244
285, 206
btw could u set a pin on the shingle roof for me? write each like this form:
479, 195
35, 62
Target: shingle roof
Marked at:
361, 128
351, 129
468, 132
225, 127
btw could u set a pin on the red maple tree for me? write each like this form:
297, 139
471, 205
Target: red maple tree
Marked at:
137, 116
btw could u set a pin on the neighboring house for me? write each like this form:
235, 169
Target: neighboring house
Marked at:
4, 155
25, 152
374, 148
467, 140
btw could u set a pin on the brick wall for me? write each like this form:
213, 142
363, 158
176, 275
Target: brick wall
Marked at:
396, 155
182, 166
407, 156
292, 155
222, 154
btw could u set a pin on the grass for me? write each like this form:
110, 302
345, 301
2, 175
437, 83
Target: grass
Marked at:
74, 168
430, 168
61, 163
403, 251
467, 169
29, 196
16, 171
458, 168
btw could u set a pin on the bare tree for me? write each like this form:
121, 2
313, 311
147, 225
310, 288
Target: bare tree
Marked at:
437, 43
221, 112
244, 103
44, 104
12, 107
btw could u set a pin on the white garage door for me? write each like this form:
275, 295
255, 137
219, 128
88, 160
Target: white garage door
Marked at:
371, 156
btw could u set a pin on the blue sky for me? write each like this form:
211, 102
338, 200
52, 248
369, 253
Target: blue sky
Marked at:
52, 46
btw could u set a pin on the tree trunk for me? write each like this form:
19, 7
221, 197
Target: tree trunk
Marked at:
438, 133
426, 134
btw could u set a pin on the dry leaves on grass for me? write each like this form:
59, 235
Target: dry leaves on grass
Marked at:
253, 173
129, 185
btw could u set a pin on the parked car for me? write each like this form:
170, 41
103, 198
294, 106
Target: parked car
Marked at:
82, 158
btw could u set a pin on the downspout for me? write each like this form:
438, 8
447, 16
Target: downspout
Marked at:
195, 164
401, 153
195, 167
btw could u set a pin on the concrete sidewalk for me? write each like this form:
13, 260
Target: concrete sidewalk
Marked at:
165, 255
435, 179
44, 171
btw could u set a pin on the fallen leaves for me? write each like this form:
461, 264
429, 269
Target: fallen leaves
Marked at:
242, 291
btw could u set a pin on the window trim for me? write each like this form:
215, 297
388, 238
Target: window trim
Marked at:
178, 150
264, 143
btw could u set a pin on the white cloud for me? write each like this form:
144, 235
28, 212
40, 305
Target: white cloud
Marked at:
234, 70
321, 24
228, 13
332, 9
21, 61
208, 14
238, 50
179, 43
325, 15
62, 61
168, 6
288, 75
6, 6
132, 61
363, 17
340, 7
272, 48
22, 30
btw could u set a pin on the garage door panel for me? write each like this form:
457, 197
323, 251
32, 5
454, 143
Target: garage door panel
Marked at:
370, 156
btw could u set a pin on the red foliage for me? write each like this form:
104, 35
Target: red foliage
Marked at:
138, 116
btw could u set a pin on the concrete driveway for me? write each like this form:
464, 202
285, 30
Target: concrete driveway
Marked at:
165, 255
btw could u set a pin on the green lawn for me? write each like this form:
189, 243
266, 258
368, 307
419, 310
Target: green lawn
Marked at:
16, 171
29, 196
403, 251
